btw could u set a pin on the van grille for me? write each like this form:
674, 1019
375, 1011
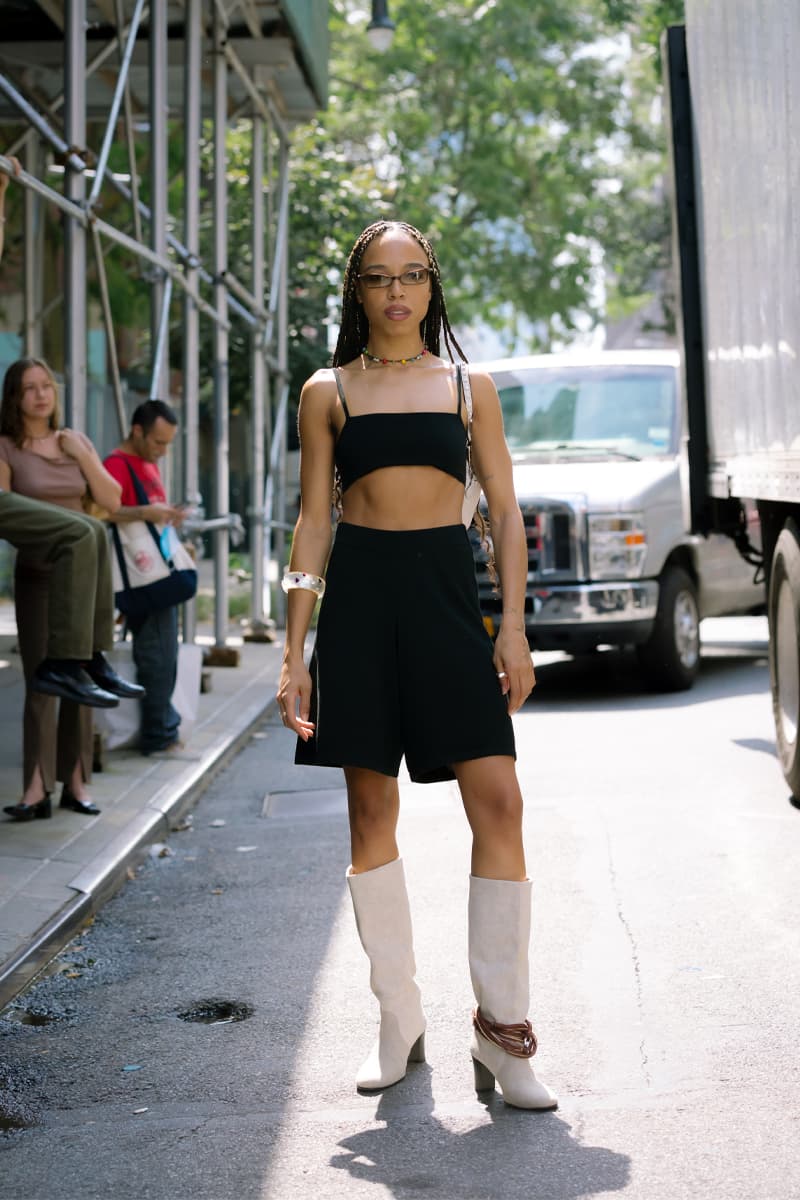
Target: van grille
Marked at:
552, 552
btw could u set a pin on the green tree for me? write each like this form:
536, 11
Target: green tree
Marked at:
637, 241
518, 135
488, 125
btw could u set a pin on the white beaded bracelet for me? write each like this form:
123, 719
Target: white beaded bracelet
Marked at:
302, 579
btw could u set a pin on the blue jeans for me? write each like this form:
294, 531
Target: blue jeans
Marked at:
155, 652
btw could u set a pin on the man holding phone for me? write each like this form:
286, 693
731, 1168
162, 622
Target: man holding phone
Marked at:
155, 636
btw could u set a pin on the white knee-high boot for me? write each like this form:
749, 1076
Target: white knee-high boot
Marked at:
383, 919
499, 933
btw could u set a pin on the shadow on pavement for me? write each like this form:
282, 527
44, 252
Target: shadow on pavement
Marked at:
612, 679
758, 744
238, 912
515, 1154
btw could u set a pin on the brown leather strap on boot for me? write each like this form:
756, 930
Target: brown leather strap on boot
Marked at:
517, 1040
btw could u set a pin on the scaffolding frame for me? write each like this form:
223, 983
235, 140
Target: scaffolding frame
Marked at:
173, 265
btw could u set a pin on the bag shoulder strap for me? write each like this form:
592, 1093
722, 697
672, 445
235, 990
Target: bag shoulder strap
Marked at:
340, 388
463, 378
463, 375
138, 487
143, 500
120, 553
141, 495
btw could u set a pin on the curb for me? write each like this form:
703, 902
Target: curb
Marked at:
99, 879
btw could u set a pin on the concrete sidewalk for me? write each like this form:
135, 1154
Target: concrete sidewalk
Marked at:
54, 874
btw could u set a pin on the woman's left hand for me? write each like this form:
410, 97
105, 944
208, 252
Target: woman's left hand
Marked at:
514, 666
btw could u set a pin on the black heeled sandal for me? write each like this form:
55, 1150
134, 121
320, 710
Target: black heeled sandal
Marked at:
42, 810
87, 808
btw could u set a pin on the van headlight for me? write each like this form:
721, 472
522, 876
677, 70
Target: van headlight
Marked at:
617, 546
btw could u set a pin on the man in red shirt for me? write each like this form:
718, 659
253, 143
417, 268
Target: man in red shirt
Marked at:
155, 636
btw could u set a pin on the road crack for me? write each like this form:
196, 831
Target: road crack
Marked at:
635, 959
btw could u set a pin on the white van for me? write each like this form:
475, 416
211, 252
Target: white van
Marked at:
599, 467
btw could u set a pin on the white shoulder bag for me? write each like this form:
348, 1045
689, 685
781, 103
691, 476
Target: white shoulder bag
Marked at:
472, 491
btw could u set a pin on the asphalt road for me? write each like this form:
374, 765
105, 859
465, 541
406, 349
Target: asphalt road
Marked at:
664, 852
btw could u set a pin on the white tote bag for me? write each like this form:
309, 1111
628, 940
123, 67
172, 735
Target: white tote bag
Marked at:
472, 491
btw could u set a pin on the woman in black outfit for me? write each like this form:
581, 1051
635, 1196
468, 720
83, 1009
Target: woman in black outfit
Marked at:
388, 430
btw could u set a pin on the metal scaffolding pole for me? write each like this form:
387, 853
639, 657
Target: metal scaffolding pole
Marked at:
161, 353
159, 114
115, 235
258, 369
38, 122
221, 441
184, 255
129, 135
274, 504
122, 83
92, 65
191, 237
105, 303
280, 243
140, 210
162, 259
34, 259
283, 382
75, 341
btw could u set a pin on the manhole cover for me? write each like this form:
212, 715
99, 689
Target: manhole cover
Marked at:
11, 1118
25, 1016
216, 1012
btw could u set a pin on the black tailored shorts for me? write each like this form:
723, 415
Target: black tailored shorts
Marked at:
402, 663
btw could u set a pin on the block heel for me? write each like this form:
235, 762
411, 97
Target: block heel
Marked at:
417, 1052
484, 1079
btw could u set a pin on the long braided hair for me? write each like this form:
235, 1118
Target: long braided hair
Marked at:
354, 328
435, 325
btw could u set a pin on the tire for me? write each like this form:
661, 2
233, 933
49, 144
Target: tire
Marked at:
670, 658
784, 651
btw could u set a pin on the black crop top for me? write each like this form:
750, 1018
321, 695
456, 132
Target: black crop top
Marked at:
391, 439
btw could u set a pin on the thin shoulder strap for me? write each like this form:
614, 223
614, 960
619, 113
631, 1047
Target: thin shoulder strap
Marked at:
340, 389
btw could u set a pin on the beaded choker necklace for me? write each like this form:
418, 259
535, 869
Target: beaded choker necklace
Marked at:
395, 362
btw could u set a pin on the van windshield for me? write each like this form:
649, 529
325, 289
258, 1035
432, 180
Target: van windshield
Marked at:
591, 411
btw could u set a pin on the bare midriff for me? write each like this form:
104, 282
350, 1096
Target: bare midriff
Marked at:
404, 498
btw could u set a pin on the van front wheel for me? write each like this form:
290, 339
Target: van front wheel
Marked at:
670, 658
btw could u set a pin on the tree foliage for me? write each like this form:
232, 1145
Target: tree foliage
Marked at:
518, 134
637, 244
489, 126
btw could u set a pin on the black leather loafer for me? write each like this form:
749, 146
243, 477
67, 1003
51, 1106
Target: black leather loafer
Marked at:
107, 678
86, 807
66, 678
30, 812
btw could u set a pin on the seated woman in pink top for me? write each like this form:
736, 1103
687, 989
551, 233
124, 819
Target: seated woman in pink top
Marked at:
41, 460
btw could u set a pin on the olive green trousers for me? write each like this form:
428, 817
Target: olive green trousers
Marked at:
73, 548
65, 609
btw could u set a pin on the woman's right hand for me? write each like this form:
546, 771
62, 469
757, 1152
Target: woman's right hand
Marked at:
74, 444
294, 698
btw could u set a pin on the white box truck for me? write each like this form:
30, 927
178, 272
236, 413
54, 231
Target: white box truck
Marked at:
734, 100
